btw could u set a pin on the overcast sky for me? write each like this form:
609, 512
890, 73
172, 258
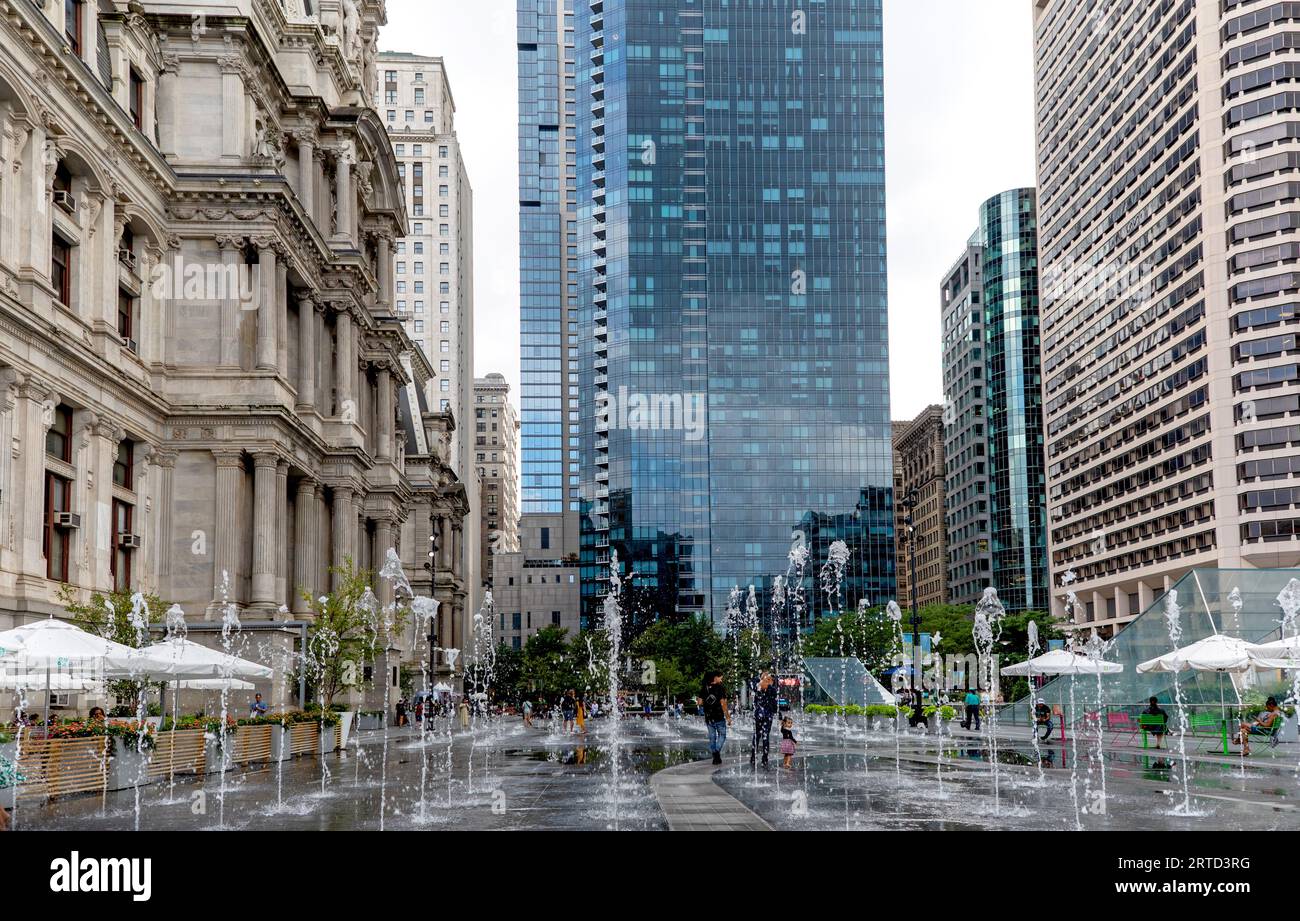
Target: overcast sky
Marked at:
958, 129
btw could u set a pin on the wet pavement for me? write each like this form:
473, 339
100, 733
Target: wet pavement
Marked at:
509, 777
849, 778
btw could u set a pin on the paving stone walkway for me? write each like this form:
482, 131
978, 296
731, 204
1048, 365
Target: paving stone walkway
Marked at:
691, 801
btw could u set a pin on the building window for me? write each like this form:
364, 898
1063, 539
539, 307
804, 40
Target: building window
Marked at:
124, 466
72, 26
58, 499
58, 440
136, 102
126, 318
120, 560
61, 269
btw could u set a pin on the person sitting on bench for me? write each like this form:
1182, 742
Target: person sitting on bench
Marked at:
1157, 730
1265, 725
1043, 719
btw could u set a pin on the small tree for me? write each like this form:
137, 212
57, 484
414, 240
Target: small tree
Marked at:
346, 627
109, 616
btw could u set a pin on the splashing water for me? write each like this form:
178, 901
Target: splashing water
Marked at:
986, 633
1289, 602
895, 615
614, 635
1236, 602
1095, 649
1173, 622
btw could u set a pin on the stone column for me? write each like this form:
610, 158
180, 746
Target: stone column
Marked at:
384, 529
344, 526
283, 578
168, 90
233, 107
306, 518
226, 539
384, 247
458, 548
265, 466
162, 537
268, 275
232, 265
306, 353
282, 295
102, 438
385, 413
345, 368
343, 192
307, 172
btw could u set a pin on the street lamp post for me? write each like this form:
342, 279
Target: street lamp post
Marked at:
910, 503
433, 593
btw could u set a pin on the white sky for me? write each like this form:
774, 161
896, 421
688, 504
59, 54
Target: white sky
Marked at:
959, 125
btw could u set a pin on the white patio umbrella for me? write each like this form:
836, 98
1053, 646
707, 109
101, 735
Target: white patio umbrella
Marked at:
181, 660
56, 646
190, 666
213, 684
15, 647
1062, 662
1280, 654
1219, 653
57, 682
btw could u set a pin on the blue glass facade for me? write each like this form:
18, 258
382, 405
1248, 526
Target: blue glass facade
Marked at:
548, 258
1017, 477
731, 247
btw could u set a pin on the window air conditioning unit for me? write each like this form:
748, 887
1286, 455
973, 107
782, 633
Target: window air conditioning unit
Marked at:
129, 343
127, 258
130, 541
65, 200
68, 521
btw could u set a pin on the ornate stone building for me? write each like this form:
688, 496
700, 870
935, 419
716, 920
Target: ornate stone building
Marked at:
205, 391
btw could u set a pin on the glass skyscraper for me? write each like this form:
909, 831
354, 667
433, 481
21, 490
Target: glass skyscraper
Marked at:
548, 274
1017, 511
732, 325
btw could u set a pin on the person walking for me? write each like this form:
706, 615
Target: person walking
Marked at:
972, 710
528, 712
716, 714
569, 710
580, 716
765, 709
463, 709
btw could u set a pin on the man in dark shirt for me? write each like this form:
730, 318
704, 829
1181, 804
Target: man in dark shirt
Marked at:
766, 703
716, 714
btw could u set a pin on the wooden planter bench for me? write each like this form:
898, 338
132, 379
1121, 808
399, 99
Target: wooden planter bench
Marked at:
251, 745
180, 752
62, 767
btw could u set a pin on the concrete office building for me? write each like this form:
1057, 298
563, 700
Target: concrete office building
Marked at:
1169, 172
918, 453
993, 440
496, 447
433, 264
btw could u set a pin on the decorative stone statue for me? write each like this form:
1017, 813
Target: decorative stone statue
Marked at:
351, 30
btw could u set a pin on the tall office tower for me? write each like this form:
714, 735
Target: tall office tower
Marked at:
997, 518
496, 449
734, 359
966, 450
548, 270
919, 470
433, 266
1168, 153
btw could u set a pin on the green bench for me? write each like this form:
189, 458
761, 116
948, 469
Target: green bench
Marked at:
1151, 724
